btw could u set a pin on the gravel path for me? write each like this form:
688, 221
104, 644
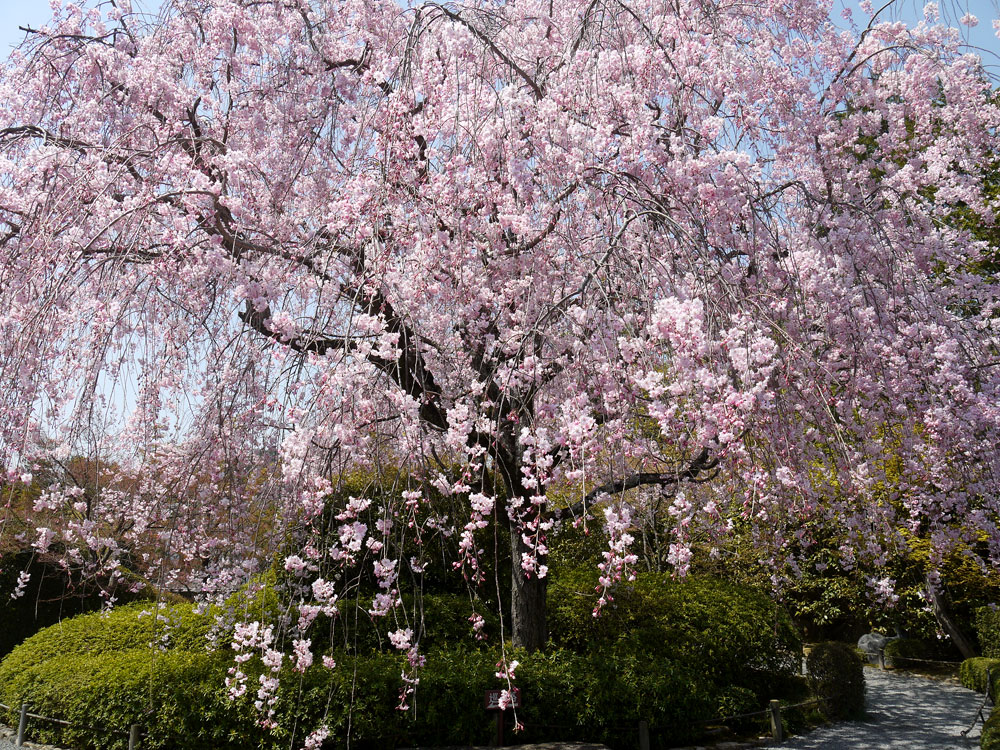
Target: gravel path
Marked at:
904, 713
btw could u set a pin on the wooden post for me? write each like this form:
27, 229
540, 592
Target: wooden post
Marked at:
881, 659
133, 737
22, 725
500, 716
774, 707
643, 735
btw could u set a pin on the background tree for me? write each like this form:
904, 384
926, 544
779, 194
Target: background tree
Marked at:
498, 247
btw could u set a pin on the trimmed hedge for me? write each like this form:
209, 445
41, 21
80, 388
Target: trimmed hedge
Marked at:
990, 738
972, 674
837, 676
175, 695
134, 626
988, 631
727, 634
670, 653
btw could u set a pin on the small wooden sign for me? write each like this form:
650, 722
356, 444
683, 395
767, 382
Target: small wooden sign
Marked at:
493, 699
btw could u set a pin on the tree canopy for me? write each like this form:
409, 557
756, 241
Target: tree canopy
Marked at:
482, 252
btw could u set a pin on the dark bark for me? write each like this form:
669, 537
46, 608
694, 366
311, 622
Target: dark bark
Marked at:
527, 599
940, 604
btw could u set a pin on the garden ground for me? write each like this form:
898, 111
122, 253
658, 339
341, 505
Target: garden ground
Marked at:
904, 712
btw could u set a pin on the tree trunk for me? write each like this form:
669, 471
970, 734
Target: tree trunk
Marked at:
527, 600
939, 601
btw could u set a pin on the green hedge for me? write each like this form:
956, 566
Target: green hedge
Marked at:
670, 653
972, 673
837, 676
179, 698
124, 628
990, 738
174, 694
988, 631
729, 635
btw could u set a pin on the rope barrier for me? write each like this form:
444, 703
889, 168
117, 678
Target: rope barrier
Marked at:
923, 661
979, 713
63, 722
132, 734
716, 720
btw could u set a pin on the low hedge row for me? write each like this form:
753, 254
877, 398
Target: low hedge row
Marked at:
670, 653
729, 635
134, 626
179, 698
990, 738
973, 671
988, 631
972, 674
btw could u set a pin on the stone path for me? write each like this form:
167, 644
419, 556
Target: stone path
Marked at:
904, 713
8, 735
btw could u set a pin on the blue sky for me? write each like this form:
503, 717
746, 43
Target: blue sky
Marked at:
34, 13
14, 13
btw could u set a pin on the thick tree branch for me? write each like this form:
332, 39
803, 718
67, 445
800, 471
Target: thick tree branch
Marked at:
306, 342
702, 462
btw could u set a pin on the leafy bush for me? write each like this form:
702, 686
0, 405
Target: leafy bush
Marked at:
175, 695
903, 652
988, 630
665, 652
972, 674
837, 676
729, 635
990, 738
124, 628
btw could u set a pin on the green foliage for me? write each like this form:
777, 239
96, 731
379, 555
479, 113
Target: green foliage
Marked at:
439, 620
901, 651
735, 636
175, 695
134, 626
972, 674
667, 652
988, 630
359, 696
990, 738
837, 676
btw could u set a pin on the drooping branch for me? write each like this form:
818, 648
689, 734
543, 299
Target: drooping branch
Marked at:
536, 90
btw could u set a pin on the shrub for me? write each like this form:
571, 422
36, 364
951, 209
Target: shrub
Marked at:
990, 738
566, 695
972, 674
665, 652
988, 630
729, 635
176, 695
903, 652
837, 676
124, 628
440, 619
